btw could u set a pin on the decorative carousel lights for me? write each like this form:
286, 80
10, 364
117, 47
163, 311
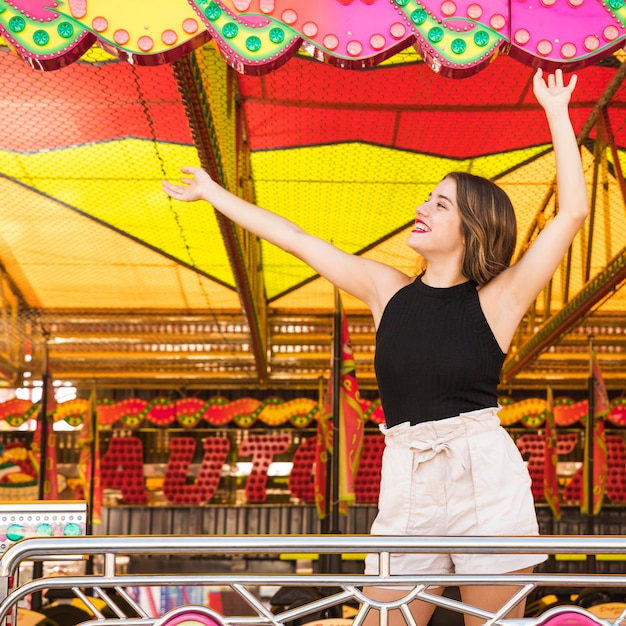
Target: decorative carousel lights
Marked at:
455, 37
19, 520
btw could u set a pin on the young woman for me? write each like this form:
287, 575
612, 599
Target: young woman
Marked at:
449, 468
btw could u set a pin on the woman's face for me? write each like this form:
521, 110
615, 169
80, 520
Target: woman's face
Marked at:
437, 227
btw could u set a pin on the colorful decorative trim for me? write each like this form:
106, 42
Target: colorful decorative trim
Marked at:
455, 37
134, 413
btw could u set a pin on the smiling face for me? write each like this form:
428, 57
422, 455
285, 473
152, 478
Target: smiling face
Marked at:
437, 229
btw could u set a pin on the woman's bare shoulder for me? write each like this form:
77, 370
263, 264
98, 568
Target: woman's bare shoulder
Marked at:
388, 283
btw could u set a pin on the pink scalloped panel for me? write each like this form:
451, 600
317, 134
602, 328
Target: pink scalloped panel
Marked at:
349, 29
563, 31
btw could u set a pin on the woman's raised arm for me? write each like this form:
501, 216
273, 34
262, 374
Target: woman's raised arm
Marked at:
520, 284
371, 282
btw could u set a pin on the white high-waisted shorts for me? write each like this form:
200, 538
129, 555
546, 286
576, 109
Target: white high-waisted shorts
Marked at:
461, 476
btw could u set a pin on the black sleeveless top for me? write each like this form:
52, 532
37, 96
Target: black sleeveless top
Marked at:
436, 355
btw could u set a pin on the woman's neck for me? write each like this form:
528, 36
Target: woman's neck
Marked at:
443, 277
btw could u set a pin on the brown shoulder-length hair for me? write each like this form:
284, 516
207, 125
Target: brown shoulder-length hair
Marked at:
488, 225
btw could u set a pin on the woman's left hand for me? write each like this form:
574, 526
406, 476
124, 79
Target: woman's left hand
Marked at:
551, 92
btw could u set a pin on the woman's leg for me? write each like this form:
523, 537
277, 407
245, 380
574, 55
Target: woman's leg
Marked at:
421, 611
491, 598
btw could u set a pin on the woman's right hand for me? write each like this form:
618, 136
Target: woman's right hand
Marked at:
198, 187
370, 281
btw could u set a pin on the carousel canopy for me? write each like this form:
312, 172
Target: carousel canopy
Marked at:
339, 115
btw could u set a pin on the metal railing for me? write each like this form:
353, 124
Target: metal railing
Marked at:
342, 588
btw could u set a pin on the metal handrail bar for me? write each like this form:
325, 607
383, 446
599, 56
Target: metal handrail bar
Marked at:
41, 547
315, 580
109, 547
